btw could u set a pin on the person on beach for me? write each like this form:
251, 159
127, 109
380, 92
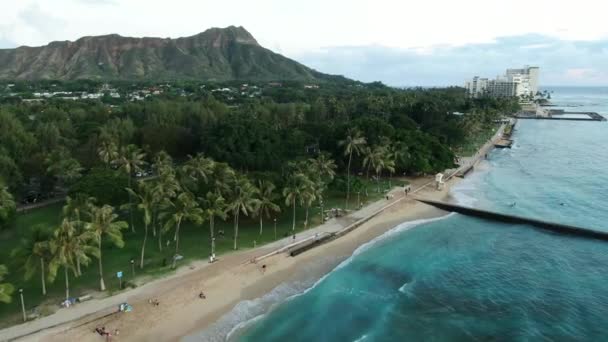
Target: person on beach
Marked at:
202, 295
263, 268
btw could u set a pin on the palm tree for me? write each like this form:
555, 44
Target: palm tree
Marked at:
107, 152
34, 251
6, 289
213, 205
353, 143
183, 208
131, 160
382, 161
7, 204
146, 200
368, 157
199, 168
296, 185
401, 154
67, 246
223, 179
243, 200
103, 224
307, 197
324, 169
323, 166
266, 201
166, 187
77, 209
63, 167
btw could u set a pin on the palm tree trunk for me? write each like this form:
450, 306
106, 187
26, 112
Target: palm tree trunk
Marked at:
378, 180
42, 273
176, 243
102, 285
143, 246
154, 224
350, 157
306, 219
67, 283
131, 204
160, 240
366, 193
322, 211
261, 224
236, 228
78, 267
293, 227
211, 233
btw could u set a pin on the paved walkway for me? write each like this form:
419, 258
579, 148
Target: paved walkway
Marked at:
96, 308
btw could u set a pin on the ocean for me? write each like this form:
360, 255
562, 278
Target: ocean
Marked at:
460, 278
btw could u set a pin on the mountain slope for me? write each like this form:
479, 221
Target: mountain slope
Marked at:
217, 54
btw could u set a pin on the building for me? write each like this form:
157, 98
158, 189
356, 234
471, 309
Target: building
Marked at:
516, 82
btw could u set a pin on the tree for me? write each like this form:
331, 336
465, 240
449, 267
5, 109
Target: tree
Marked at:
108, 152
199, 169
63, 167
296, 185
183, 208
266, 201
77, 209
166, 188
353, 143
145, 200
67, 246
307, 197
7, 207
130, 161
243, 200
323, 169
106, 185
103, 224
34, 252
382, 161
213, 206
6, 289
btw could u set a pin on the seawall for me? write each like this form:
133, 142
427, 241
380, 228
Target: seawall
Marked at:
545, 225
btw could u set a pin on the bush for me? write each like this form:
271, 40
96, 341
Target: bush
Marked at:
106, 185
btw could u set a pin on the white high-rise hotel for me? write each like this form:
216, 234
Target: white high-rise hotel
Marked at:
516, 82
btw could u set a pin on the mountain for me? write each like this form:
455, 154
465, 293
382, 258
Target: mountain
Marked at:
218, 54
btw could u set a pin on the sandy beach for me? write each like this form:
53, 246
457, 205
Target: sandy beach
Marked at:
232, 279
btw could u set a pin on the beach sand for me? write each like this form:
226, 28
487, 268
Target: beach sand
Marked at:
225, 283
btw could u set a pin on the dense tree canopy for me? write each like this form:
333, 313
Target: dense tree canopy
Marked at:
49, 144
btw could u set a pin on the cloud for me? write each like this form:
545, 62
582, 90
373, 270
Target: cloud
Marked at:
562, 62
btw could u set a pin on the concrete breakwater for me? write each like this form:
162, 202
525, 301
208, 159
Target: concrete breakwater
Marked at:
545, 225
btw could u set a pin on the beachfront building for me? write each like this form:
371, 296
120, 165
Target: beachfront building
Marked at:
521, 83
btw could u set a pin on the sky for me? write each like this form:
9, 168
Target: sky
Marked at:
398, 42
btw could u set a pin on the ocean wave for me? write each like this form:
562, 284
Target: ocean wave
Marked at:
361, 339
248, 312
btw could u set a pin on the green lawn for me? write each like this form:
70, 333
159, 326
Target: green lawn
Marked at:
194, 245
474, 142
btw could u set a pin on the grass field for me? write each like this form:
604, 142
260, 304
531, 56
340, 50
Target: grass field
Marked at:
475, 141
194, 245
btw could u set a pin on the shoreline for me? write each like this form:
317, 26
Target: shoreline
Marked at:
234, 278
181, 313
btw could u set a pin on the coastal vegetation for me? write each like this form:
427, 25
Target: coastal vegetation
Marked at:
153, 182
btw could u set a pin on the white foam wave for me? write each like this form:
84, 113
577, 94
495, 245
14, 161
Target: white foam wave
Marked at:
362, 338
247, 312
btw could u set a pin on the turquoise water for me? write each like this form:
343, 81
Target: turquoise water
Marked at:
461, 278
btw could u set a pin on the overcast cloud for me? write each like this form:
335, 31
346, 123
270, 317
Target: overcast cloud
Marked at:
399, 42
